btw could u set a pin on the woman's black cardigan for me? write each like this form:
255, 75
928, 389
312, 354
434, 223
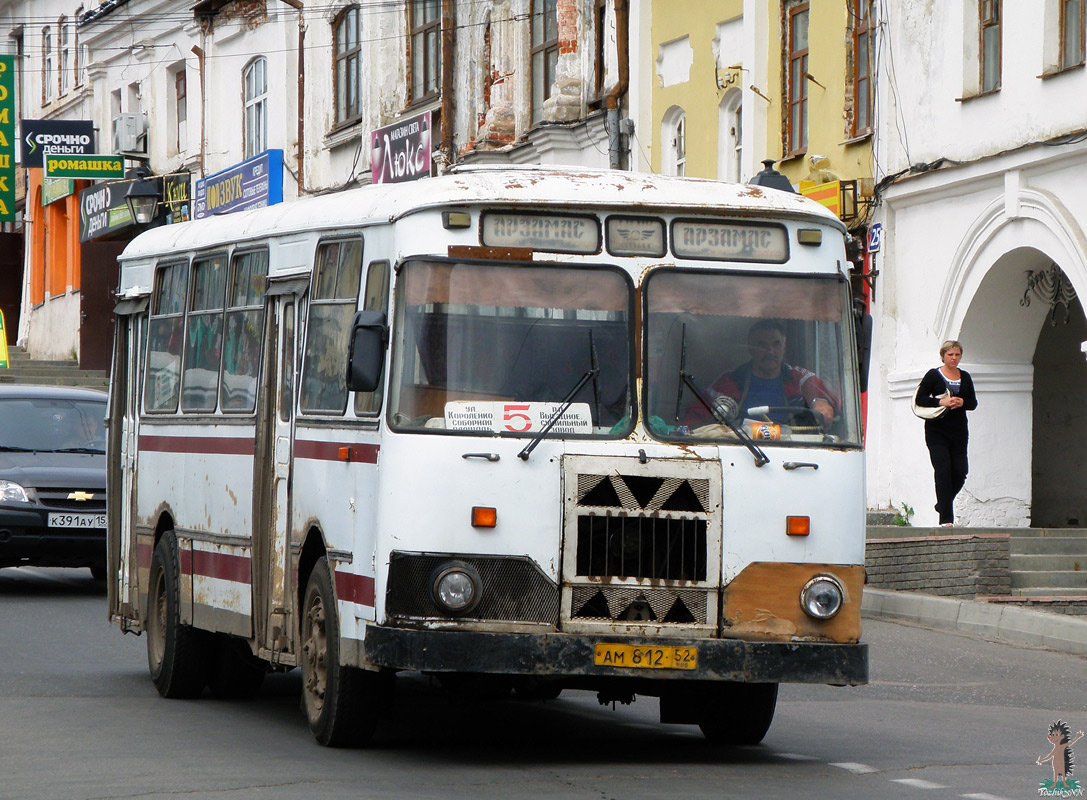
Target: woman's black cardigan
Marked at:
933, 385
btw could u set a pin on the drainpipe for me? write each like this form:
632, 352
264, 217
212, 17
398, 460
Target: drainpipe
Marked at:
297, 6
198, 51
622, 43
447, 81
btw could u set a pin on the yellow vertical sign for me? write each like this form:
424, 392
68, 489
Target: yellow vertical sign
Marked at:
7, 138
3, 343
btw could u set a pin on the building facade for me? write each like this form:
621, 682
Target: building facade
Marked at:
285, 95
982, 158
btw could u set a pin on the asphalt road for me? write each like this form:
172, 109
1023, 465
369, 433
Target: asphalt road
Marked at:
947, 715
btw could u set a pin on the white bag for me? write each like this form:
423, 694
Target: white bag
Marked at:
925, 412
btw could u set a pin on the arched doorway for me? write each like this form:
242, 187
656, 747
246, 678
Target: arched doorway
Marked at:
1058, 469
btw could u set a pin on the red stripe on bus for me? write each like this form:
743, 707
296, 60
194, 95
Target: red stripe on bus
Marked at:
220, 565
143, 555
355, 588
218, 445
331, 451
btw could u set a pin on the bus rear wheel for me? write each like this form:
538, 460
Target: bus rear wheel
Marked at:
738, 713
342, 703
177, 654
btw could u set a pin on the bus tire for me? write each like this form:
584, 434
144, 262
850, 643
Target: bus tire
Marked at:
738, 713
177, 654
236, 674
342, 703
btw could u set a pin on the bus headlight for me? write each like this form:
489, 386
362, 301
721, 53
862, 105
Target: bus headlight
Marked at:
822, 597
456, 587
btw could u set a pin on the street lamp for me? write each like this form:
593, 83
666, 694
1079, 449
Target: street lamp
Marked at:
143, 198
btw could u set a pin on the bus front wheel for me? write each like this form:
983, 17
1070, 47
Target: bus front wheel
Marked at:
342, 703
177, 654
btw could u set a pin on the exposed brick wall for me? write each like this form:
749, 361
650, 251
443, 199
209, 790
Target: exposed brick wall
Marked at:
964, 566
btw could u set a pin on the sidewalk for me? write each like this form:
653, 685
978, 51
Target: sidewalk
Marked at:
1019, 626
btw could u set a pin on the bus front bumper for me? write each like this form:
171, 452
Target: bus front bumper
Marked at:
558, 655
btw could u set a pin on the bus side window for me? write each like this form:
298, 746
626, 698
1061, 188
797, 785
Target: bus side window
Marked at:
376, 298
243, 339
323, 389
165, 332
204, 335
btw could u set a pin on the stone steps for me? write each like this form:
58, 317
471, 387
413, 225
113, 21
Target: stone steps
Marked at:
23, 369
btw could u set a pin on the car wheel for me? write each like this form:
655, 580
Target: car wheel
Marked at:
342, 703
177, 654
236, 674
738, 713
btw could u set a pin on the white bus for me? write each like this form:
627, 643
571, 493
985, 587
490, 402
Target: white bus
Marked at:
517, 424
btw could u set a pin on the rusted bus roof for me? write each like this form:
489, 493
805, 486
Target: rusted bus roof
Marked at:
612, 190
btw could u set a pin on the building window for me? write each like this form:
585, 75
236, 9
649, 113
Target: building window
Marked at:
601, 63
863, 63
77, 56
989, 24
256, 107
730, 136
796, 127
674, 139
47, 65
64, 56
181, 109
425, 44
348, 61
545, 52
1072, 33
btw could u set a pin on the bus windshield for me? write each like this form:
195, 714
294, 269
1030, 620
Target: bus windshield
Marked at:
767, 354
497, 349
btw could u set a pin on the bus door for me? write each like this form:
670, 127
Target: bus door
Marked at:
121, 454
272, 575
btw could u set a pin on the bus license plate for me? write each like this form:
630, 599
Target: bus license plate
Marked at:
77, 520
645, 657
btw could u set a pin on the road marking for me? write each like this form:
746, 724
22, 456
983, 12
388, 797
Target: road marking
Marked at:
982, 796
856, 769
917, 783
797, 757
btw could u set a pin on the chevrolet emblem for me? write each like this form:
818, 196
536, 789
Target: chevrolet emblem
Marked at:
80, 495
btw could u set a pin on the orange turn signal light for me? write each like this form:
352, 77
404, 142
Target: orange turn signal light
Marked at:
797, 526
484, 517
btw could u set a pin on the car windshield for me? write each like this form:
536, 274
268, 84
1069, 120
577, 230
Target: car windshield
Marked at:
497, 349
769, 355
52, 425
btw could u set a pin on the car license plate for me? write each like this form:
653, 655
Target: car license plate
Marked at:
645, 657
77, 520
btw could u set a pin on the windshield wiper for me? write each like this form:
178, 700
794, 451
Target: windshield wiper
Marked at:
7, 449
566, 403
78, 450
726, 419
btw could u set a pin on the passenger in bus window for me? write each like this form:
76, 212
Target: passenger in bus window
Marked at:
767, 387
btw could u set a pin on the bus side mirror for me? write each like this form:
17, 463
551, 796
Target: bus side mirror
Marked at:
366, 351
864, 346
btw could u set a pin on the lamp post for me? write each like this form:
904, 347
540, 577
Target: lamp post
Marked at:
143, 198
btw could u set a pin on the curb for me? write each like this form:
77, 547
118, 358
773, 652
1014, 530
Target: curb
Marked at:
1019, 626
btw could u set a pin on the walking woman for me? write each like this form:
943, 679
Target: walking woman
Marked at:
947, 435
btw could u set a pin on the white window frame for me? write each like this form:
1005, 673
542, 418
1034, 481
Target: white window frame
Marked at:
730, 137
255, 104
674, 142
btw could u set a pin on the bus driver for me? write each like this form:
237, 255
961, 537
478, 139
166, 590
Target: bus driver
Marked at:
766, 380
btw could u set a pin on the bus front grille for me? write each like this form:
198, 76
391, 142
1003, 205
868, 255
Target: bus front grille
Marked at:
642, 542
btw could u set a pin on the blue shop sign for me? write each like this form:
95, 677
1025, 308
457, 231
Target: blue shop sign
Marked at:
254, 183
